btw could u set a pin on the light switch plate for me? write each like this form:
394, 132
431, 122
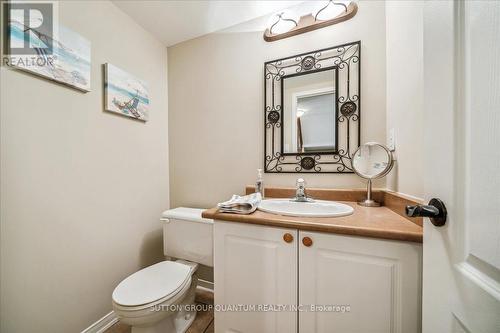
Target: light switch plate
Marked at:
391, 140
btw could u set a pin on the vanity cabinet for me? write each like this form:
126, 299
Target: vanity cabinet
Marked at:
357, 284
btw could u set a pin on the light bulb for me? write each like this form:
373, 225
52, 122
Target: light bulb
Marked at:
331, 9
282, 22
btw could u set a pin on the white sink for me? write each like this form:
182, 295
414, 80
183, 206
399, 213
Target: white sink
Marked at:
317, 208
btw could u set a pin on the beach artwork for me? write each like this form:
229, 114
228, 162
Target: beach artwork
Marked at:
69, 62
125, 94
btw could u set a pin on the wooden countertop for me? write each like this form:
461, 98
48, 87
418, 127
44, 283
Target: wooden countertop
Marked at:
377, 222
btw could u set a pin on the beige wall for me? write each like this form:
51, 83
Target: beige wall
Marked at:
216, 104
81, 189
405, 98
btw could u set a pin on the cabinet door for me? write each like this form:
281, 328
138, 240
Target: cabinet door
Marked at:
254, 266
377, 281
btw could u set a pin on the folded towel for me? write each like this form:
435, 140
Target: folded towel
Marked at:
241, 205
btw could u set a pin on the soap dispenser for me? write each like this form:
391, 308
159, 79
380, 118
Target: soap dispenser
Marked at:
259, 184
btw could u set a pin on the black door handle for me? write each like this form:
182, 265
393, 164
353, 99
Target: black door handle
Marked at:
435, 211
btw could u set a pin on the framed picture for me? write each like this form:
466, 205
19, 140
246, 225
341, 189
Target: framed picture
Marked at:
125, 94
68, 62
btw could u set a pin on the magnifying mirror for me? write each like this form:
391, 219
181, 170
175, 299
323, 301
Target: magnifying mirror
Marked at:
371, 161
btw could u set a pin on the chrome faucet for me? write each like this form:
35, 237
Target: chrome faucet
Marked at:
300, 191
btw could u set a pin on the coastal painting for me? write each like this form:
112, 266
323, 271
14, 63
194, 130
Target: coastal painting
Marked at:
125, 94
69, 62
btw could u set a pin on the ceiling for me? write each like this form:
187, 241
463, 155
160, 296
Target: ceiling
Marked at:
175, 21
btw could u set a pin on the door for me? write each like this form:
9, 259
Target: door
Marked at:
255, 266
358, 285
461, 261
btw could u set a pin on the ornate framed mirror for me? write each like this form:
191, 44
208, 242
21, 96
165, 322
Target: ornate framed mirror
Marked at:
312, 111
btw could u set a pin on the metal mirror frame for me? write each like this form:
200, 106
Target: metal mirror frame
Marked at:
346, 58
369, 202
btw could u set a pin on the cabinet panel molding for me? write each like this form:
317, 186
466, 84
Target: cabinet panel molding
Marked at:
254, 266
364, 275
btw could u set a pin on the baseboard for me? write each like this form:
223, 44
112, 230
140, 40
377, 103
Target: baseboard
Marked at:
102, 324
207, 285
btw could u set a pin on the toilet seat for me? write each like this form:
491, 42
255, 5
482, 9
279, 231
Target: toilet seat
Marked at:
148, 314
152, 285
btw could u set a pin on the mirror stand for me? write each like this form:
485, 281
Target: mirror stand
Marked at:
369, 202
370, 161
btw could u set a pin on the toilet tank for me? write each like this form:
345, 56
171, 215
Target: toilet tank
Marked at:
187, 235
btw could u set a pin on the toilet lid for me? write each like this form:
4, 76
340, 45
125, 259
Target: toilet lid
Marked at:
151, 283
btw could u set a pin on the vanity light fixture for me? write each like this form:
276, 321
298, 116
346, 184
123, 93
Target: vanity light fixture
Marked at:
283, 25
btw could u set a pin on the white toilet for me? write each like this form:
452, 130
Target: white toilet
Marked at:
158, 298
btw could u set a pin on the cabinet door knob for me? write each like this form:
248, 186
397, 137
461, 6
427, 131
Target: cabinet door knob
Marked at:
288, 237
307, 241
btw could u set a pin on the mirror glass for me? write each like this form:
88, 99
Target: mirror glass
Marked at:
309, 112
372, 160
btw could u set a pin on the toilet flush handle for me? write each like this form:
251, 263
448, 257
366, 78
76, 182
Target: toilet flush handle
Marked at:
435, 211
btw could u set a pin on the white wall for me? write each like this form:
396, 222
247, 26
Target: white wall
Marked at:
216, 104
405, 97
81, 189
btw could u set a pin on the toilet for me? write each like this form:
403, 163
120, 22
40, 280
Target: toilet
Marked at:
160, 298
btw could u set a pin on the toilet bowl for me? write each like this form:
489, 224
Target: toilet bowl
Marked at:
158, 298
161, 298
